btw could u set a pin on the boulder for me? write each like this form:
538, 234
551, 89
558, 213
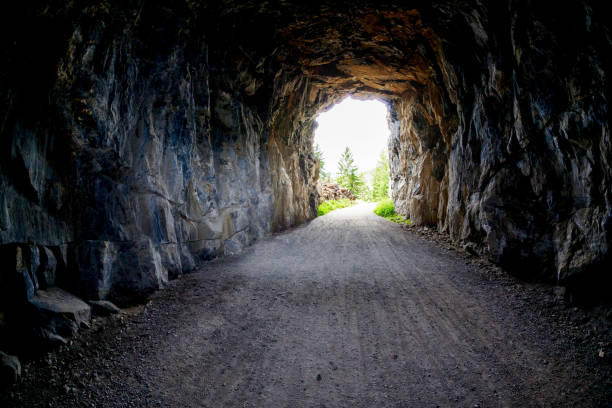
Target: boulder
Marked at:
103, 308
59, 312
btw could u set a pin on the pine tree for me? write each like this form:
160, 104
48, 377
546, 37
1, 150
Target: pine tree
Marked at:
348, 176
365, 192
380, 180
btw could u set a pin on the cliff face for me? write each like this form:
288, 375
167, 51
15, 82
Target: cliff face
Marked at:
520, 164
138, 141
145, 188
152, 162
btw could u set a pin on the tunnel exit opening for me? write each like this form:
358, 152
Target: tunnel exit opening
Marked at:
351, 143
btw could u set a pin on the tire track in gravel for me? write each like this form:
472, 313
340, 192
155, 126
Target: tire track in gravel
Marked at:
453, 327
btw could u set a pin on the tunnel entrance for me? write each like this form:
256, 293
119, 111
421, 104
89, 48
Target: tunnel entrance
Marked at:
151, 142
351, 143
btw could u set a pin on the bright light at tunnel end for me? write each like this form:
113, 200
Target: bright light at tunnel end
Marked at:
359, 124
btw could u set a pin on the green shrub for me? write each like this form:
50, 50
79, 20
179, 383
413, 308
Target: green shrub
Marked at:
386, 209
330, 205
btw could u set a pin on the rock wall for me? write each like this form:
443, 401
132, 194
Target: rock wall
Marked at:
146, 159
522, 165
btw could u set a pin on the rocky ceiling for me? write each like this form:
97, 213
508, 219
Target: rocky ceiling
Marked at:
365, 51
142, 138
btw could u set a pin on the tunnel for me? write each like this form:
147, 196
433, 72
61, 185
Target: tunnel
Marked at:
142, 139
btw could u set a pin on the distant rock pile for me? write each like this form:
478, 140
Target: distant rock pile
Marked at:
332, 191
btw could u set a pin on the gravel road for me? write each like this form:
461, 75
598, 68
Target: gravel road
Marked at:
349, 310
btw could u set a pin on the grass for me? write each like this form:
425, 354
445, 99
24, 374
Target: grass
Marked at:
331, 205
386, 210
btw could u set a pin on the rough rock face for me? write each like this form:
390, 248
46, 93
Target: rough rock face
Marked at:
520, 164
133, 185
138, 141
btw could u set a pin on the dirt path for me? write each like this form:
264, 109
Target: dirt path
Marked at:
347, 311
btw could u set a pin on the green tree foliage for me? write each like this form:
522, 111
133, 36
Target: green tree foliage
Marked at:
365, 193
323, 174
348, 177
380, 179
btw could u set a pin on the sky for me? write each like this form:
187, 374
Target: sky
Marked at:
359, 124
